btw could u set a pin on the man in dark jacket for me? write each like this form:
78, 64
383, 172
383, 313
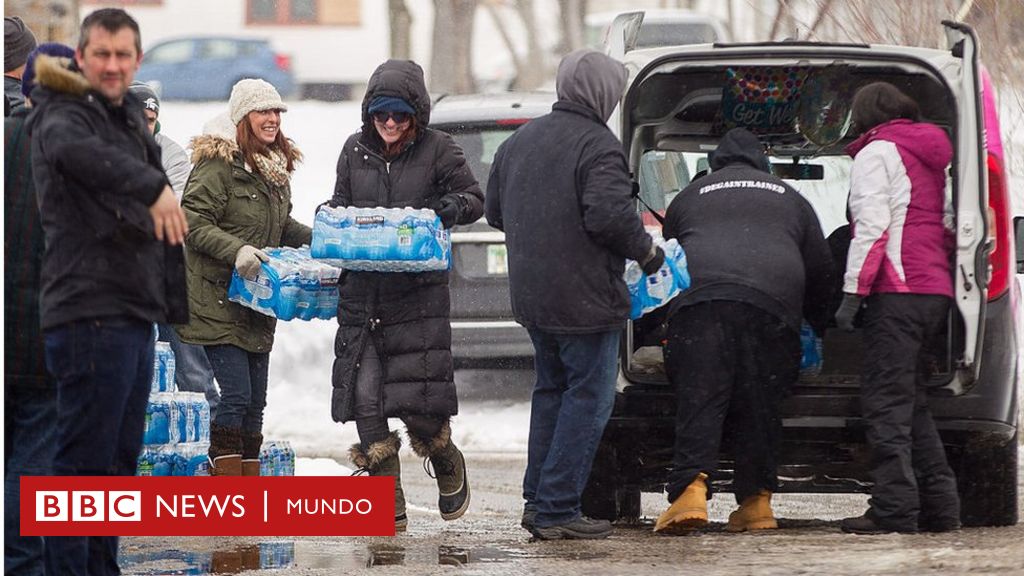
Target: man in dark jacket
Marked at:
758, 263
113, 264
30, 395
560, 190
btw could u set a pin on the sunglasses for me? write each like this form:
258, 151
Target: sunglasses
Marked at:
399, 117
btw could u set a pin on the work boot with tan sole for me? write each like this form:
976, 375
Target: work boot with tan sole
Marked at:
754, 513
689, 511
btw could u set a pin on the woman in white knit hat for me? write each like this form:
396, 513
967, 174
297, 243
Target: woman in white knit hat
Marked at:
237, 201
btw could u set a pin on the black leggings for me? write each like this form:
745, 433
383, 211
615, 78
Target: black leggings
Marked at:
370, 424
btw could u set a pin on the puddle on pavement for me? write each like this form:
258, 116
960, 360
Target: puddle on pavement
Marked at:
328, 555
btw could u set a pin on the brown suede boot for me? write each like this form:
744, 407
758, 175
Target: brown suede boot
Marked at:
225, 453
250, 467
381, 459
689, 511
754, 513
449, 470
251, 445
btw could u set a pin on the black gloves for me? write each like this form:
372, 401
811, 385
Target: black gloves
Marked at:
654, 262
847, 312
449, 209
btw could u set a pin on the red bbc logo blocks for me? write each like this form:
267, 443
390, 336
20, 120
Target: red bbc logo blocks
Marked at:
88, 506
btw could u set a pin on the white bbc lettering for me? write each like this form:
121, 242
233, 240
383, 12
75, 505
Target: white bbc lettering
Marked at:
88, 506
51, 506
124, 506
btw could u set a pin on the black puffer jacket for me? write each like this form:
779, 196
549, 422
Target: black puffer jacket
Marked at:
97, 170
405, 315
560, 189
749, 237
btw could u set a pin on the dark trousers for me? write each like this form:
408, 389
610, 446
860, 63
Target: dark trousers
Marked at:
730, 363
371, 425
103, 370
909, 467
30, 425
242, 377
572, 400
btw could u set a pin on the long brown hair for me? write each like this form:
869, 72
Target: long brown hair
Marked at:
250, 145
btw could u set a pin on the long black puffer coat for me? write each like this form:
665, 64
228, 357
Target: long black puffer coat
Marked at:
405, 315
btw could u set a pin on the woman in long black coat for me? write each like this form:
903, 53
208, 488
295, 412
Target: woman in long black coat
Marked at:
393, 348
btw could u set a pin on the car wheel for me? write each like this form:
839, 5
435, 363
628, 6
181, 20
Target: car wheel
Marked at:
987, 479
604, 496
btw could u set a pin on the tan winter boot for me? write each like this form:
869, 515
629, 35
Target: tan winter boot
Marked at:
689, 511
225, 453
381, 459
754, 513
251, 444
449, 470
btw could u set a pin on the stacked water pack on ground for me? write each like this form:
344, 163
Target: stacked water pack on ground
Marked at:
291, 285
176, 436
382, 239
648, 293
277, 458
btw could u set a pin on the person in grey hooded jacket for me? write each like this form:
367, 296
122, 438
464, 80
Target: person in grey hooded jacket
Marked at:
560, 190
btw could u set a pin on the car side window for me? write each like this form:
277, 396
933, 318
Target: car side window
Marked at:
218, 49
170, 53
662, 175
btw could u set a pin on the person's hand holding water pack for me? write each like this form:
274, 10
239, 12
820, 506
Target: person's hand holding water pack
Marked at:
654, 261
248, 260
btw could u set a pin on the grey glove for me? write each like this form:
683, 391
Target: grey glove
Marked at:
848, 311
248, 260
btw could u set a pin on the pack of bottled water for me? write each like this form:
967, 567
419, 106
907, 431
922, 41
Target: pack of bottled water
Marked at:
163, 368
189, 459
277, 458
648, 293
174, 417
811, 345
277, 555
291, 285
382, 239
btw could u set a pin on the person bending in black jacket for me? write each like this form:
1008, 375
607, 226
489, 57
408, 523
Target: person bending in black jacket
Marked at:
560, 189
758, 263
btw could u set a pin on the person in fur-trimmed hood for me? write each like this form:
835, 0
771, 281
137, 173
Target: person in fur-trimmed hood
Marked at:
393, 349
112, 264
238, 200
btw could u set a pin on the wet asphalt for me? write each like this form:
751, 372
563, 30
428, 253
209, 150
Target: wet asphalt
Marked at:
489, 541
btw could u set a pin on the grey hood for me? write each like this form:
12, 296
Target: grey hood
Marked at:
592, 79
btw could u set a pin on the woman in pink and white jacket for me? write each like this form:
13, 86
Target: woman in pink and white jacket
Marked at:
899, 270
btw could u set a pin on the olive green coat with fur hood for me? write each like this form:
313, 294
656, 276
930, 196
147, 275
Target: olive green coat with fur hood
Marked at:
228, 205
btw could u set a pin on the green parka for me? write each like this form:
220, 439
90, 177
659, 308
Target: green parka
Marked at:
229, 205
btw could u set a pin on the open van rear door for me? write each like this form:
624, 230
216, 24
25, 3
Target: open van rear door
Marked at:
621, 38
972, 240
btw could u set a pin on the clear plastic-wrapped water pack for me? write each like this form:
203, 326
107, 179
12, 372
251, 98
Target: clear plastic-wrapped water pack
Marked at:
176, 417
163, 368
648, 293
277, 458
291, 285
382, 239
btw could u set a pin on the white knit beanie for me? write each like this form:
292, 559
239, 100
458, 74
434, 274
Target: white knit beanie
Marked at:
253, 94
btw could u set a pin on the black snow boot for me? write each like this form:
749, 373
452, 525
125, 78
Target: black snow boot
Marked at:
381, 459
449, 470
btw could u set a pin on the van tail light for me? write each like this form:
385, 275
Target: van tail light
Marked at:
1001, 255
284, 62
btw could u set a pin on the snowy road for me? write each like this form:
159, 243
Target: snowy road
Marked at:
488, 540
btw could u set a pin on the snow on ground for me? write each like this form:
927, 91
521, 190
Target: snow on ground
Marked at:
298, 399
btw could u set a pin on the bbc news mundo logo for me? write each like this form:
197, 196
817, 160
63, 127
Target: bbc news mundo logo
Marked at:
207, 506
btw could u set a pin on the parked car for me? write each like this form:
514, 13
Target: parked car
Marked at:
661, 28
484, 333
205, 68
679, 101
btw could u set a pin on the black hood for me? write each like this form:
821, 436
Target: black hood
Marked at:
739, 146
401, 79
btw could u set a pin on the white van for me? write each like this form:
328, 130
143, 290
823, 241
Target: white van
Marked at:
679, 101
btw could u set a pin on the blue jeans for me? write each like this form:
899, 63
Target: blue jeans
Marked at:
572, 401
242, 377
30, 426
103, 369
191, 367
